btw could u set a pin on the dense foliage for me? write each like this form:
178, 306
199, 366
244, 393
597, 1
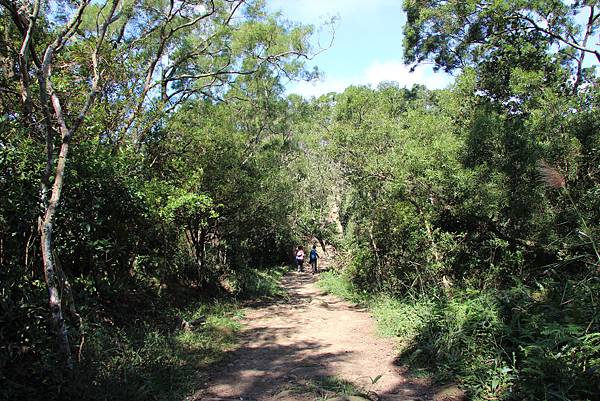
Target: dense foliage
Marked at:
143, 170
468, 217
476, 208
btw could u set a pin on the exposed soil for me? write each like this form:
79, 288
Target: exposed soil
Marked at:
288, 346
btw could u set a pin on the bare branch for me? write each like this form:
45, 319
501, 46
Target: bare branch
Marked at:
96, 79
195, 20
588, 32
62, 36
557, 36
24, 59
233, 11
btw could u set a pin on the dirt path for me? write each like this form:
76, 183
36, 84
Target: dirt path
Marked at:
300, 347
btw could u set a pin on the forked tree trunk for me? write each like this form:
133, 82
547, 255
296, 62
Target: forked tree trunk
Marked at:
52, 278
49, 205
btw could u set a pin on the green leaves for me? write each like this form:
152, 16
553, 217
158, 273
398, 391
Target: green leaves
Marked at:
182, 206
496, 37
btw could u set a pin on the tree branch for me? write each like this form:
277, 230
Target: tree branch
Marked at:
588, 32
557, 36
24, 60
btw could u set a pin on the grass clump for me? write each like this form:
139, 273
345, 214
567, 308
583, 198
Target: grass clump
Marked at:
327, 387
335, 283
402, 319
142, 361
526, 342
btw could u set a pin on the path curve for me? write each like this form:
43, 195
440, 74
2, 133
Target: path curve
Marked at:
289, 344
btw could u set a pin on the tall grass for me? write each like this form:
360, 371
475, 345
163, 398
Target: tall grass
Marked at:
257, 282
521, 343
337, 284
144, 362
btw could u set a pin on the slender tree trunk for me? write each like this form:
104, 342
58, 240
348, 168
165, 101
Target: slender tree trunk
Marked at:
69, 301
334, 215
49, 206
46, 227
588, 32
30, 239
52, 281
437, 258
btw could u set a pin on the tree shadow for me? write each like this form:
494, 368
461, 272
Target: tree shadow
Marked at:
262, 369
271, 363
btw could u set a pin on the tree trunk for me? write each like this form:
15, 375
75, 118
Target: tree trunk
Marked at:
53, 288
69, 301
46, 226
200, 253
323, 246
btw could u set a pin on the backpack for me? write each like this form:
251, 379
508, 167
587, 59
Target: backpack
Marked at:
313, 254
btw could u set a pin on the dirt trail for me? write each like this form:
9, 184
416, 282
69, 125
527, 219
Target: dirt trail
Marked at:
288, 345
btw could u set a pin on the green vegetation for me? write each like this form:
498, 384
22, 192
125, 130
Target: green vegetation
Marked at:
470, 215
150, 164
327, 387
494, 344
142, 177
142, 361
259, 283
143, 342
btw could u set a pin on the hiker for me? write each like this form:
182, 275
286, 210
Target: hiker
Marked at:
314, 255
300, 258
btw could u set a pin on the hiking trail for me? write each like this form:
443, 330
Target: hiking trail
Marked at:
291, 348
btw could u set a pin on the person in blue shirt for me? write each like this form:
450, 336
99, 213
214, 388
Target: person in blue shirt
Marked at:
313, 256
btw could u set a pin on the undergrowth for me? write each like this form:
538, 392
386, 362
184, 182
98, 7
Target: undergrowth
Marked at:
141, 361
526, 342
257, 283
135, 347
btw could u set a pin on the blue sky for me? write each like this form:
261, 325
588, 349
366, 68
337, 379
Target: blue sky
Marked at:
367, 47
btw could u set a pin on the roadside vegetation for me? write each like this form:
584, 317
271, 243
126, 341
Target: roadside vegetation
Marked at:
469, 216
516, 343
142, 342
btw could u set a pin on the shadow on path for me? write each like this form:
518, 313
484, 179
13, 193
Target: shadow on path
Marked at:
289, 343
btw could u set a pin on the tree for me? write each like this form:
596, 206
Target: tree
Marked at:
168, 52
456, 34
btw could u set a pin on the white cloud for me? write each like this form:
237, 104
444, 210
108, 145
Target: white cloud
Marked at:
376, 72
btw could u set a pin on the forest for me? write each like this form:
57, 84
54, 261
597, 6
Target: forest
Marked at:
154, 170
